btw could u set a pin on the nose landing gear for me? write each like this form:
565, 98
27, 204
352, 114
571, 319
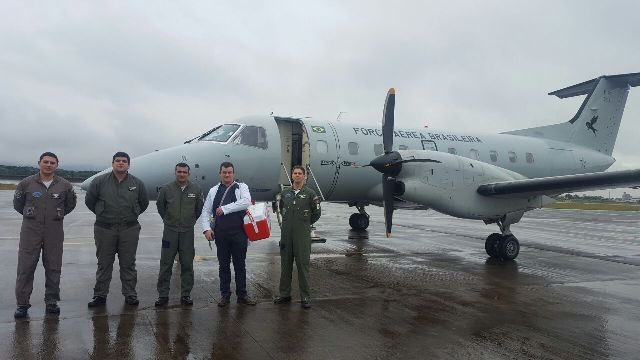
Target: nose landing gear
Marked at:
359, 220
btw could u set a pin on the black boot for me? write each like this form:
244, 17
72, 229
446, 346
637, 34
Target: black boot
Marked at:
22, 311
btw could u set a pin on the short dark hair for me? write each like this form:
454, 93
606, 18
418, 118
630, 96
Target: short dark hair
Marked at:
49, 154
226, 164
183, 165
299, 167
121, 154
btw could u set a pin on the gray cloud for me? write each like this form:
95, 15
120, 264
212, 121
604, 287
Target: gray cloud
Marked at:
142, 76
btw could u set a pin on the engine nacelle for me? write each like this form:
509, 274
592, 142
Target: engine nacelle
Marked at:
448, 183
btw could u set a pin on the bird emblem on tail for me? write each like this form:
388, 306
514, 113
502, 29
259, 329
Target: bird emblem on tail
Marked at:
592, 122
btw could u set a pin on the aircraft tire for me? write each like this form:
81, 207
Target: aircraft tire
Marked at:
358, 221
492, 245
509, 247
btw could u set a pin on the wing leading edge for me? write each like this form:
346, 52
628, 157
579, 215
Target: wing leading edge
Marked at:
561, 184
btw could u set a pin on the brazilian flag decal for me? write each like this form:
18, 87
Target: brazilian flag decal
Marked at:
318, 129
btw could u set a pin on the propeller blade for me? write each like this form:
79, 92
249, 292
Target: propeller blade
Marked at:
387, 120
388, 187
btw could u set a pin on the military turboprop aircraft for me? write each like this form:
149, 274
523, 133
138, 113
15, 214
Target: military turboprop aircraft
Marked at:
491, 177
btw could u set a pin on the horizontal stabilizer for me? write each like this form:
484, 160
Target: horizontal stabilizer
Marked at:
585, 88
562, 184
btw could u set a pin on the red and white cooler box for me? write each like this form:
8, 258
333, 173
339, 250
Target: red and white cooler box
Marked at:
257, 224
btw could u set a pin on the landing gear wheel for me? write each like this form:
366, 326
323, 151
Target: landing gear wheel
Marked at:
509, 247
492, 245
358, 221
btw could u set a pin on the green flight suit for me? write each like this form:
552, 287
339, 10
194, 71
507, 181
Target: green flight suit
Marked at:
43, 209
179, 210
298, 211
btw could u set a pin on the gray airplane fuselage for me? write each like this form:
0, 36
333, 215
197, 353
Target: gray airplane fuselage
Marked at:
335, 152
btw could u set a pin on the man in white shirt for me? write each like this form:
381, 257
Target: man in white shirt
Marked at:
224, 209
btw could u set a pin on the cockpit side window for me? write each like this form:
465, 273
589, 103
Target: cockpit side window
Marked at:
220, 134
255, 136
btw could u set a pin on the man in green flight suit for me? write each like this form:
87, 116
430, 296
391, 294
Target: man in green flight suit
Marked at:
179, 205
300, 208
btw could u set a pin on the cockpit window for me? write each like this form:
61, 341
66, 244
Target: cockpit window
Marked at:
220, 134
252, 136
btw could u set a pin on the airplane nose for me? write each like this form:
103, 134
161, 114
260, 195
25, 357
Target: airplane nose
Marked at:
85, 184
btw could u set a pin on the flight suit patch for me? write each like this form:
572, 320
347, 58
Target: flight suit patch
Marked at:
191, 195
36, 194
131, 188
55, 196
18, 195
29, 212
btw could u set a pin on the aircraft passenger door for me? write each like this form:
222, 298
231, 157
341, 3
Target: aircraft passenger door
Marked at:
324, 160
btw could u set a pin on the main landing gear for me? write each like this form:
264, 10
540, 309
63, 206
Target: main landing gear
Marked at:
359, 220
502, 246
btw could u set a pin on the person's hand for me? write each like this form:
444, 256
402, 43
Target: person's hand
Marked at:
219, 211
208, 235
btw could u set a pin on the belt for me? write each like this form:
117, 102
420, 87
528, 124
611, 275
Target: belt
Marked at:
125, 225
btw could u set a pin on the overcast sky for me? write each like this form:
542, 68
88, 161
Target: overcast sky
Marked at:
87, 78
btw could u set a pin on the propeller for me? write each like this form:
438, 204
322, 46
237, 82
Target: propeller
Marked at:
389, 163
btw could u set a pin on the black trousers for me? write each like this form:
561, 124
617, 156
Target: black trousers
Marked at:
232, 248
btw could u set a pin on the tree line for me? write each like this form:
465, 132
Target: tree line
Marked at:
19, 172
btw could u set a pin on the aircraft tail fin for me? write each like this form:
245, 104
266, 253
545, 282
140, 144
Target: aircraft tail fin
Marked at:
597, 121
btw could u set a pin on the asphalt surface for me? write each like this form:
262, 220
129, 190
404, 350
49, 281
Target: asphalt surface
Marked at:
429, 292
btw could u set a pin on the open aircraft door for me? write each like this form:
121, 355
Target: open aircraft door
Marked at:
299, 140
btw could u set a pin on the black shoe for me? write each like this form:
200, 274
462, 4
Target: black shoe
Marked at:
282, 300
131, 300
186, 300
245, 300
305, 303
97, 301
162, 301
224, 301
52, 309
21, 311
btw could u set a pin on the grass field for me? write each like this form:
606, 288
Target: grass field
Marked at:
7, 186
594, 206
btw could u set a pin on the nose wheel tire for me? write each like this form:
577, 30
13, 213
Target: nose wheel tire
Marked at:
502, 247
358, 221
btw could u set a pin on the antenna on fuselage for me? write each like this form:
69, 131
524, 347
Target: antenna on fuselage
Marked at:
340, 114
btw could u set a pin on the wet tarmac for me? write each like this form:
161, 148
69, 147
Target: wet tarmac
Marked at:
430, 292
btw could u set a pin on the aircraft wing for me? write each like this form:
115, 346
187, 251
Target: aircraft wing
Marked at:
561, 184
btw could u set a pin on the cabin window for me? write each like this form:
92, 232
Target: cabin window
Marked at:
255, 136
493, 155
403, 147
474, 154
452, 151
220, 134
378, 149
322, 147
353, 148
512, 156
529, 157
429, 145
